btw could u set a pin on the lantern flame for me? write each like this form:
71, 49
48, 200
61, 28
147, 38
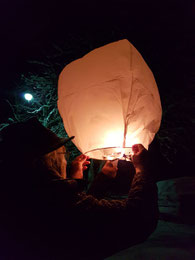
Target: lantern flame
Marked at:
116, 151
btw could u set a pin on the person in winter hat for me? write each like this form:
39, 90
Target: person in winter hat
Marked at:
50, 216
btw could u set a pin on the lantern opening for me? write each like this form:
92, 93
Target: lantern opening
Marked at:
111, 153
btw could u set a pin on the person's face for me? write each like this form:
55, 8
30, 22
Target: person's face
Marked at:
61, 161
56, 162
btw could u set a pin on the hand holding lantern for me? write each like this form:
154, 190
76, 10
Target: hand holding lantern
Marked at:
139, 157
78, 166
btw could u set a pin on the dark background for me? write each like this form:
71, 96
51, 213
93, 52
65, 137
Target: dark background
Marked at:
162, 31
157, 28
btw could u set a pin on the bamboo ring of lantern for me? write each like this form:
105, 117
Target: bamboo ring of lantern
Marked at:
109, 101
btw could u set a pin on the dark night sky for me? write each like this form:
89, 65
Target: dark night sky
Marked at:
29, 26
163, 31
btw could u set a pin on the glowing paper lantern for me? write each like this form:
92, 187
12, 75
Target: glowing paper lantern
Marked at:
109, 98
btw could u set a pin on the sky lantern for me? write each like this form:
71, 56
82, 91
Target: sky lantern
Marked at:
109, 100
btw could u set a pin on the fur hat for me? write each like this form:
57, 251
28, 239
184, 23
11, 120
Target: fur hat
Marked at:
29, 138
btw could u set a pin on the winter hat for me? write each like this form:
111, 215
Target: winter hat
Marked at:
29, 138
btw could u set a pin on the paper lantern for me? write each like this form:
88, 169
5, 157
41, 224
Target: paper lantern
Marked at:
109, 101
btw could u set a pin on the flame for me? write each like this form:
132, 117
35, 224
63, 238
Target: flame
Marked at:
112, 148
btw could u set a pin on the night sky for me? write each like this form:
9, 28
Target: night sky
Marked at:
161, 28
162, 31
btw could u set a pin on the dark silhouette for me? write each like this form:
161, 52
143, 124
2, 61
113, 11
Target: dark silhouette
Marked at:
44, 215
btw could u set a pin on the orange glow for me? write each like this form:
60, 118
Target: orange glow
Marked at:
113, 139
109, 100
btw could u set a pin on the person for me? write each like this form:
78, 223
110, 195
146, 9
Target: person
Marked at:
46, 215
